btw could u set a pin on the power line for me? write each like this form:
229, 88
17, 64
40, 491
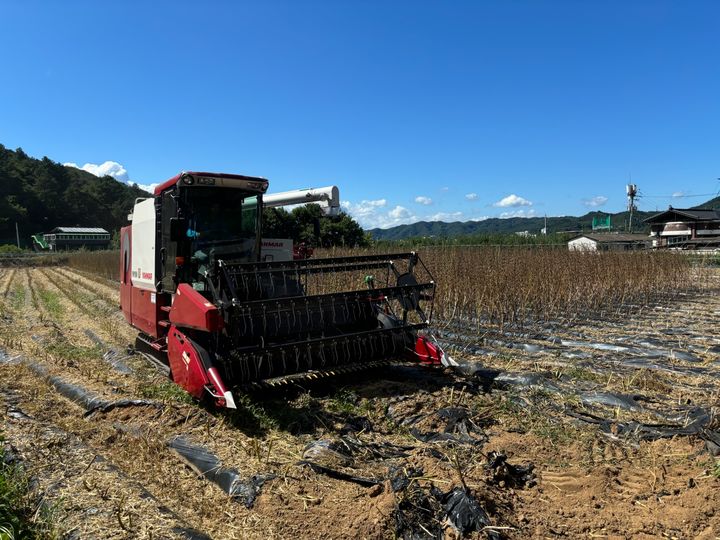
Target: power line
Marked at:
642, 195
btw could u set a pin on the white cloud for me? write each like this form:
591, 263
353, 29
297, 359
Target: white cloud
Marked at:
481, 218
678, 194
518, 213
399, 212
363, 208
444, 188
372, 214
113, 169
420, 199
109, 168
445, 216
472, 196
512, 201
600, 200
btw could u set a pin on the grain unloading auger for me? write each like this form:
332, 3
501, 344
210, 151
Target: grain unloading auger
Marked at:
223, 308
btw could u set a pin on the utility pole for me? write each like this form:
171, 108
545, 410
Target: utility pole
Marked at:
631, 190
17, 234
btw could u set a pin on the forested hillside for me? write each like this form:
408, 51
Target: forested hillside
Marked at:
563, 224
40, 194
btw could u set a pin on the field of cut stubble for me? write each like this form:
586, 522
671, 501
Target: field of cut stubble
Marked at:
583, 405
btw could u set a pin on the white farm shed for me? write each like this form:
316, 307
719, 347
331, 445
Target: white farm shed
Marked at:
608, 242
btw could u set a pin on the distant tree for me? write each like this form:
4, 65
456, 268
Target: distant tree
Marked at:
279, 223
340, 230
304, 221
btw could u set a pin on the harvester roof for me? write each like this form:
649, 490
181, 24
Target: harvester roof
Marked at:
251, 183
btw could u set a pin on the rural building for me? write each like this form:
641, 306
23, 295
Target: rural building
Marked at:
68, 238
685, 229
608, 242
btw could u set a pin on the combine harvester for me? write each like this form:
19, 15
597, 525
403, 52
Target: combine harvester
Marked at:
222, 308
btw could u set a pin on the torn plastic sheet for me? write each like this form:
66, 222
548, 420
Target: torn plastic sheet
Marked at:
515, 476
457, 421
573, 354
459, 428
646, 363
694, 422
493, 378
326, 456
644, 347
356, 424
401, 477
527, 347
643, 351
122, 404
339, 475
328, 452
419, 515
17, 414
5, 358
609, 399
73, 392
341, 451
207, 465
527, 380
88, 400
464, 512
111, 356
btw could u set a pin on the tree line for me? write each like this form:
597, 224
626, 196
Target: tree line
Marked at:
40, 194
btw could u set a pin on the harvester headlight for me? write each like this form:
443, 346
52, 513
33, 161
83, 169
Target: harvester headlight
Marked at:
188, 180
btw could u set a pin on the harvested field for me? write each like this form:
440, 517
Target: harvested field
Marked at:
599, 421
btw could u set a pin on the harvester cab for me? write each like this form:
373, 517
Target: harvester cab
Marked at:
218, 315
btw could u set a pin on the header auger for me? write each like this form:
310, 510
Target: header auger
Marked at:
220, 307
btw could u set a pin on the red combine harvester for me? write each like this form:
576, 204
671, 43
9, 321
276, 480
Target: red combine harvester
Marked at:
219, 307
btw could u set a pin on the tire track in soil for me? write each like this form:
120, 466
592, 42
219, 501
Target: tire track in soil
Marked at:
8, 278
31, 300
104, 283
83, 367
112, 299
109, 323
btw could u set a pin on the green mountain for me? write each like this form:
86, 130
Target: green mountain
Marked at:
710, 205
40, 194
564, 224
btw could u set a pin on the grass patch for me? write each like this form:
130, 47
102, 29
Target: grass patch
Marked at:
166, 391
19, 516
69, 351
251, 416
582, 374
18, 297
344, 401
51, 301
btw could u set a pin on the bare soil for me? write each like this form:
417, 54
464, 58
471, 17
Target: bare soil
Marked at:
605, 428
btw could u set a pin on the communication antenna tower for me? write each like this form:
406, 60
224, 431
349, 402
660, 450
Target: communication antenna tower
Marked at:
631, 190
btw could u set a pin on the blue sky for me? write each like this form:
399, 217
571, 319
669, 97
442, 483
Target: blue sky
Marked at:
416, 110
